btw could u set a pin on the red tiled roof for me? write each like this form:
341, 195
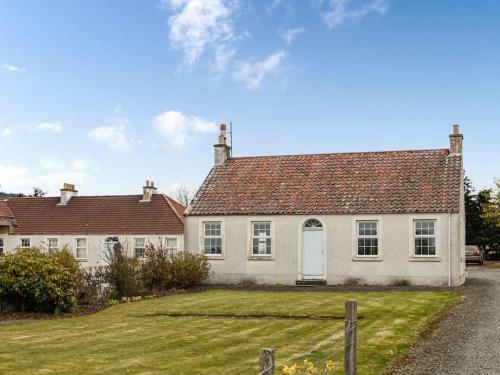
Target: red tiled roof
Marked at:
120, 214
4, 209
345, 183
178, 208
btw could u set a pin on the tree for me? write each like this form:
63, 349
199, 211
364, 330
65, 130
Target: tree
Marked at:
473, 220
183, 194
482, 215
38, 192
489, 200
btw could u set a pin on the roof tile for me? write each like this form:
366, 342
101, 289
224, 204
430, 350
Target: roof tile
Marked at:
344, 183
120, 214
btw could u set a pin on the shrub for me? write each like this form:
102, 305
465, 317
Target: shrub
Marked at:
124, 272
188, 269
66, 259
183, 269
32, 280
91, 287
156, 269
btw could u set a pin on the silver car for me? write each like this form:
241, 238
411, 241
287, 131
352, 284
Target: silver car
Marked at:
474, 254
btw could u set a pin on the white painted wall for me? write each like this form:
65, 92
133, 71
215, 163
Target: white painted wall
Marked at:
95, 243
394, 263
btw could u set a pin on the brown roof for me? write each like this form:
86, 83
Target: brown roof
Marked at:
120, 214
4, 209
345, 183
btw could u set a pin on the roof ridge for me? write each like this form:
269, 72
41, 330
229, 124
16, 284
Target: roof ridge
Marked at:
341, 153
80, 196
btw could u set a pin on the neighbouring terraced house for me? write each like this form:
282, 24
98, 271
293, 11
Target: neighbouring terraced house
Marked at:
89, 225
367, 217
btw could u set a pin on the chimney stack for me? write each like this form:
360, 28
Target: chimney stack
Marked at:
456, 141
222, 151
148, 191
67, 192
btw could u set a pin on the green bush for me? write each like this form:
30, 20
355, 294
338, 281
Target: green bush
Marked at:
32, 280
183, 269
188, 269
156, 269
66, 259
124, 272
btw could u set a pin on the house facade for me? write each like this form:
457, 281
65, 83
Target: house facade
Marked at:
90, 225
348, 218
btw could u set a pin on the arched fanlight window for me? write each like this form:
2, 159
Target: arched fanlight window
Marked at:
313, 224
111, 243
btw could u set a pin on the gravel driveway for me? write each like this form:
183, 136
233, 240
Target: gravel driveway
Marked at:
468, 342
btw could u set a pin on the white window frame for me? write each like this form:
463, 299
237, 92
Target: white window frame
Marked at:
380, 226
251, 236
86, 248
146, 242
2, 246
367, 236
415, 236
202, 237
169, 238
21, 242
47, 241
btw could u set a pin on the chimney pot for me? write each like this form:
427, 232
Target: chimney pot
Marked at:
67, 192
222, 151
456, 141
148, 191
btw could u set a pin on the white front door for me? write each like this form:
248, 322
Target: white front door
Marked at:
312, 250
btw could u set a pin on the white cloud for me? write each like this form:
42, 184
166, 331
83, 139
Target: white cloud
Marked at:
253, 73
15, 178
115, 134
19, 178
57, 179
115, 137
200, 24
289, 35
5, 132
13, 69
179, 130
74, 172
287, 5
341, 11
51, 163
49, 127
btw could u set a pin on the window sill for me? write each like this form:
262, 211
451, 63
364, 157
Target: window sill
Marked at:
367, 259
262, 257
215, 257
424, 259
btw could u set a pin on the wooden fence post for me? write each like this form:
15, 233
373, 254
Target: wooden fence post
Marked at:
351, 337
267, 362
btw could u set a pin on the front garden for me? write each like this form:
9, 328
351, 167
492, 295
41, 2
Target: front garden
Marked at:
221, 332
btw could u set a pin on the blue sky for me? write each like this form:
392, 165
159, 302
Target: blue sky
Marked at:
107, 94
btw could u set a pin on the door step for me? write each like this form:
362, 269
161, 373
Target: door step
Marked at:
310, 282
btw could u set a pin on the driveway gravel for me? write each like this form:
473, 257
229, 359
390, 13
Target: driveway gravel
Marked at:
468, 341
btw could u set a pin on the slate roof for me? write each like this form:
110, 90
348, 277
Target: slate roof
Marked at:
119, 214
420, 181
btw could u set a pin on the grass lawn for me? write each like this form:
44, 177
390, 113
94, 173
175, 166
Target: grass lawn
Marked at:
145, 337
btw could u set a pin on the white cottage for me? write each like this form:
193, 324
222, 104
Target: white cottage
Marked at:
89, 225
369, 217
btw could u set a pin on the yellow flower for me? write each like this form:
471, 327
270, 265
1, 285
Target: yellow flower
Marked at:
330, 365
